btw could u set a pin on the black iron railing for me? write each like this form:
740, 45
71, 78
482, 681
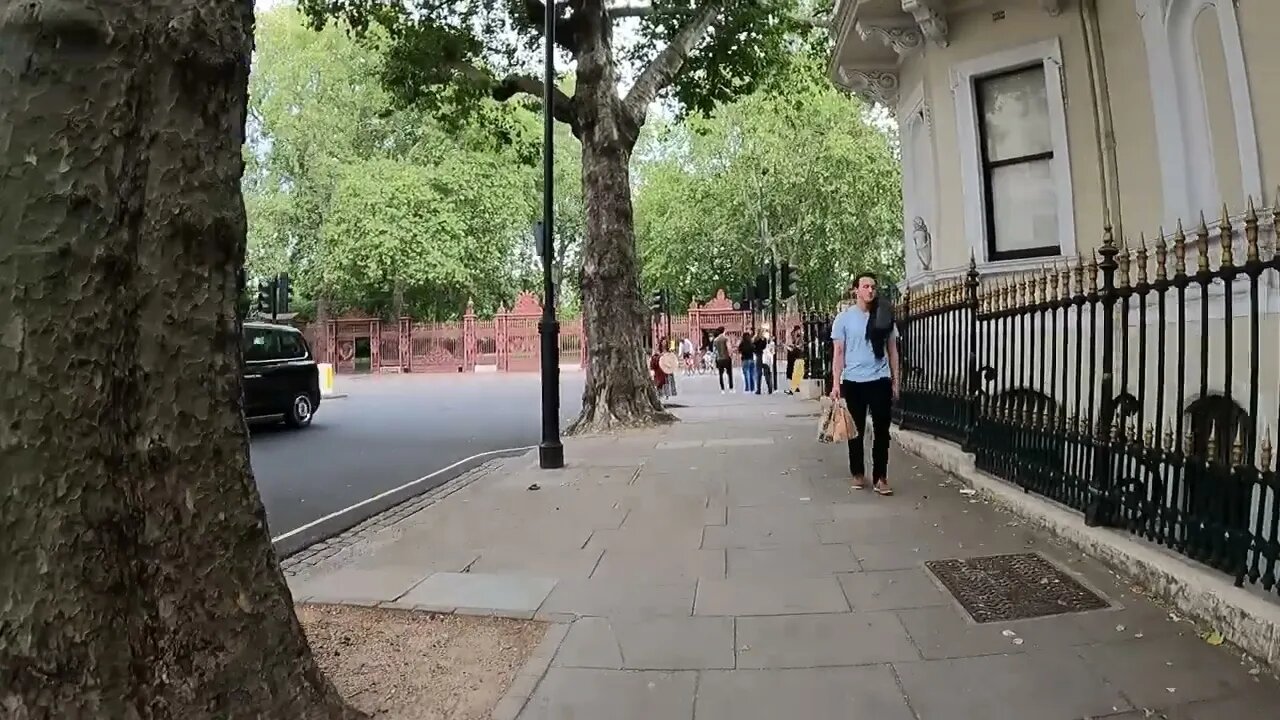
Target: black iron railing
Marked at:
1126, 386
816, 336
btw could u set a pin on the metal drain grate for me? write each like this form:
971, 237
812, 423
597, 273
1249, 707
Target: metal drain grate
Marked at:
1013, 587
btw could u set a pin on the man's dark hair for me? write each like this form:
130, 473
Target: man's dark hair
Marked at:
880, 318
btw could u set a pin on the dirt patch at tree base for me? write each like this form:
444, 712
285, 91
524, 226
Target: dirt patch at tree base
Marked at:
401, 665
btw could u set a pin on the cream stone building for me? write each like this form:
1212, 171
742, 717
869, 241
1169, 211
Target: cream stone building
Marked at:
1029, 126
1033, 129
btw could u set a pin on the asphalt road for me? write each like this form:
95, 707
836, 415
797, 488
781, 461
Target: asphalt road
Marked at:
388, 431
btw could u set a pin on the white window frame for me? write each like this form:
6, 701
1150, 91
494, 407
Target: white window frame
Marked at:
1049, 54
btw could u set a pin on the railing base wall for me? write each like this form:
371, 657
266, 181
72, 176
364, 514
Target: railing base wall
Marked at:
1198, 592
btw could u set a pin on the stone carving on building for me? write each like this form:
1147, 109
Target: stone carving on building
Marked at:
873, 84
923, 243
901, 36
933, 24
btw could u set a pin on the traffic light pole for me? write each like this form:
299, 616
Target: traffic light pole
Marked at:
773, 318
666, 310
550, 450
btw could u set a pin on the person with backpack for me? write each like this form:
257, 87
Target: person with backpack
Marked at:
866, 373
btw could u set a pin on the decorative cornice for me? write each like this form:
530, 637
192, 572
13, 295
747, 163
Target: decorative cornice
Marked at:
1053, 7
933, 24
901, 36
878, 85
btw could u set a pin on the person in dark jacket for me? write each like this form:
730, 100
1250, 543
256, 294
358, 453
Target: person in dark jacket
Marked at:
747, 351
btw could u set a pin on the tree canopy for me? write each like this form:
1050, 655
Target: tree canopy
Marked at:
795, 171
379, 207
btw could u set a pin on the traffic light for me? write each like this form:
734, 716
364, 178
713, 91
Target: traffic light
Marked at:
266, 297
762, 288
658, 302
786, 281
284, 293
744, 299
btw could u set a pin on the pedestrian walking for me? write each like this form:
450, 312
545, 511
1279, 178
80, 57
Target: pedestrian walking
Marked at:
724, 360
794, 349
865, 372
747, 351
767, 354
686, 355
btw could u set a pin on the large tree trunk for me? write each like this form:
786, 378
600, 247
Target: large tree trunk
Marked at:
137, 578
619, 392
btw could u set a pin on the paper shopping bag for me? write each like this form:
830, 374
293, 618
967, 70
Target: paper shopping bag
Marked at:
842, 427
826, 418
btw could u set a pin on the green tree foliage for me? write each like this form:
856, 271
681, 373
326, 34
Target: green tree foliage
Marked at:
375, 207
796, 170
451, 54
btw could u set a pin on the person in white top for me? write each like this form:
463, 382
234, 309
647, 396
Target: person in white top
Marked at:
686, 355
770, 352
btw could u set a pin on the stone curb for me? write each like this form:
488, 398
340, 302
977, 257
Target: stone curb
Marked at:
1250, 622
312, 555
526, 681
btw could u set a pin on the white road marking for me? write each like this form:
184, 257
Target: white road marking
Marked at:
409, 484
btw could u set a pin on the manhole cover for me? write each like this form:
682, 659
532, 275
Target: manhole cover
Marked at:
1013, 587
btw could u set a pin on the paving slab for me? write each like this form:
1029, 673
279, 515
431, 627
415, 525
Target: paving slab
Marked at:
502, 592
1044, 686
801, 641
541, 563
756, 596
865, 693
677, 537
586, 694
659, 566
738, 442
632, 597
664, 643
798, 513
356, 585
891, 589
1145, 670
1253, 704
760, 534
791, 562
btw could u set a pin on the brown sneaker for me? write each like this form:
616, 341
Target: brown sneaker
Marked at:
882, 488
859, 483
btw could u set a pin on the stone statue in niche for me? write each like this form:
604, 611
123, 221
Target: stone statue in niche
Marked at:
923, 242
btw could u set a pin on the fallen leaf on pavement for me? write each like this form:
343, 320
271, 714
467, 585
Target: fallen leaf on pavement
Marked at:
1214, 638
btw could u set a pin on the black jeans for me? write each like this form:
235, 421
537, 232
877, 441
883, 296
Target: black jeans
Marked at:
765, 373
876, 396
725, 367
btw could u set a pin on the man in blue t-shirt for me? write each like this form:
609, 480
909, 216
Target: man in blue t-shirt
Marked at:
865, 373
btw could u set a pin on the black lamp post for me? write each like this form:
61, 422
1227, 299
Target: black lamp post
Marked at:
550, 450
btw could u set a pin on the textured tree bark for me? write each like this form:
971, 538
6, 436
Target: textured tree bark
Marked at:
618, 391
137, 578
397, 300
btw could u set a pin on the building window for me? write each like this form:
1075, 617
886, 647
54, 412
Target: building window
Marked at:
1015, 170
1017, 154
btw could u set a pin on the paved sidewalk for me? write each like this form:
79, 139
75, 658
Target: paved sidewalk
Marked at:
722, 569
